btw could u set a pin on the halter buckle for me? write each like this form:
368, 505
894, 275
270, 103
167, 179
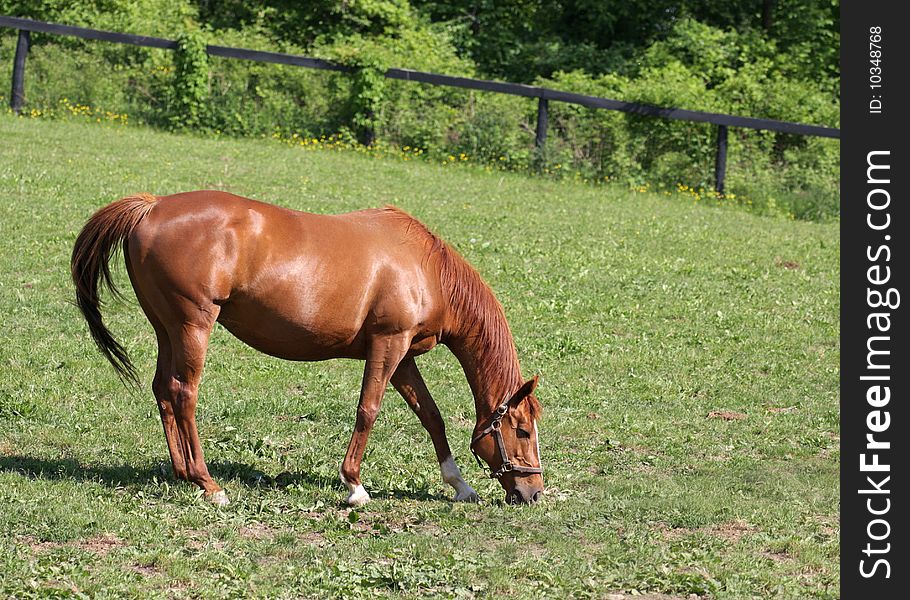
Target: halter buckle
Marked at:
505, 468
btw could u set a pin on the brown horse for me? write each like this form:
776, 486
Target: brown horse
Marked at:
374, 285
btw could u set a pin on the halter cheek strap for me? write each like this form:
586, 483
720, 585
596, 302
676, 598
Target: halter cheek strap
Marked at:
494, 429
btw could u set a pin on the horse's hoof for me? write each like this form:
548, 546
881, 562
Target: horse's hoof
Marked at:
468, 495
219, 498
358, 497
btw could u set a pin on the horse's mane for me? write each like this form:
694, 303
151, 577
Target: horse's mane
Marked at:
472, 302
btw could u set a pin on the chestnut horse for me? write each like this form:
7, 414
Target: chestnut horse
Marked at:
374, 285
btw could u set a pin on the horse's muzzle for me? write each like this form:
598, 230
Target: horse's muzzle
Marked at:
524, 496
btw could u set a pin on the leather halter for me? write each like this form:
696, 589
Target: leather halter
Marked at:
494, 429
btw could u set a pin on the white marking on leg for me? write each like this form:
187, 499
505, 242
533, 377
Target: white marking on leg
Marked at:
219, 498
451, 474
357, 495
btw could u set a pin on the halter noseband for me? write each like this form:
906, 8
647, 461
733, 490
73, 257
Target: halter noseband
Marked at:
494, 429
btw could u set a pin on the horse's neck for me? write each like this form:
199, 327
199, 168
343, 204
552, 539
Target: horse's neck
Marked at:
477, 333
490, 365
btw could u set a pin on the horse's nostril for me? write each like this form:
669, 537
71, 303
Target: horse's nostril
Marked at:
519, 497
515, 497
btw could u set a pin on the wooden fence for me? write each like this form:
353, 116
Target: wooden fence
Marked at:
543, 95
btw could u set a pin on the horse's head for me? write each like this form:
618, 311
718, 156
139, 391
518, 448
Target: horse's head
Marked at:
507, 441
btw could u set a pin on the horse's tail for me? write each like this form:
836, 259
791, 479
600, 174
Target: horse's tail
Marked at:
98, 241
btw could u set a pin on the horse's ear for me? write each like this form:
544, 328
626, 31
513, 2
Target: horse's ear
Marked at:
524, 391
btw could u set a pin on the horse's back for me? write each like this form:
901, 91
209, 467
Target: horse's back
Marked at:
293, 284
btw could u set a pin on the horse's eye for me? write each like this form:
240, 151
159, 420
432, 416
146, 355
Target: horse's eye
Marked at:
522, 433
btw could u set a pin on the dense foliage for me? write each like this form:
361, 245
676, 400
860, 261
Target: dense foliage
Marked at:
768, 58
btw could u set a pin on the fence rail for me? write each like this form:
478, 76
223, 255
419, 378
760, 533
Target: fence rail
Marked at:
544, 95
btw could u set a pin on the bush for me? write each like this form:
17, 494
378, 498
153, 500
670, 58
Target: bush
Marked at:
403, 113
701, 68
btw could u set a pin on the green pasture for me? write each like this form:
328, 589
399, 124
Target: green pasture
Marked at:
689, 376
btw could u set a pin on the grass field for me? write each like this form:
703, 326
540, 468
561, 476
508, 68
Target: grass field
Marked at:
689, 376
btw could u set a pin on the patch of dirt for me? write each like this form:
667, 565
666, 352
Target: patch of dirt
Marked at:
827, 453
621, 596
726, 415
313, 538
199, 539
54, 584
100, 544
537, 550
257, 531
177, 588
643, 468
781, 409
786, 264
730, 532
670, 533
36, 545
777, 555
828, 526
148, 570
376, 525
718, 457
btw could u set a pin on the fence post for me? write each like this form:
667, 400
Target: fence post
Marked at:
720, 164
540, 141
17, 96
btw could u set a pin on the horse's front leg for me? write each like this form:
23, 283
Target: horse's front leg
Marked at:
383, 357
409, 383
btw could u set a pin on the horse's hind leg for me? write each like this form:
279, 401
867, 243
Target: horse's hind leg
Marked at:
182, 326
162, 389
188, 345
161, 386
409, 383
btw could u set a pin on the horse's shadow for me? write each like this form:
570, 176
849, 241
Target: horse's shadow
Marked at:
123, 475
